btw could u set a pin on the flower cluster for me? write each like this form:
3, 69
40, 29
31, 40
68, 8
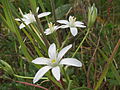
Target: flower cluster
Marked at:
71, 23
55, 60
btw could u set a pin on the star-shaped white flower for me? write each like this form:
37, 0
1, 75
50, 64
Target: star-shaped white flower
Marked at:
54, 62
72, 24
29, 18
51, 28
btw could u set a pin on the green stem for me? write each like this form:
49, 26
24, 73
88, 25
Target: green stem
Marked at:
69, 85
54, 81
18, 76
57, 42
81, 42
65, 75
43, 9
53, 9
40, 27
55, 19
65, 41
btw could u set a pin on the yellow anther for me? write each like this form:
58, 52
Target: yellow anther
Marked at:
74, 19
50, 24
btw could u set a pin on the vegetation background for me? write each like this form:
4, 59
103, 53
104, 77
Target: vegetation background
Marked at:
94, 53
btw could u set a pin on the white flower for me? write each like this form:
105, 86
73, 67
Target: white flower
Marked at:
72, 24
29, 18
51, 28
54, 61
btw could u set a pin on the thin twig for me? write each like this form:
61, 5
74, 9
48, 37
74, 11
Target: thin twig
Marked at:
39, 25
55, 19
92, 60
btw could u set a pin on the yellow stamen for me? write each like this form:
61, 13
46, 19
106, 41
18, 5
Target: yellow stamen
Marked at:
50, 25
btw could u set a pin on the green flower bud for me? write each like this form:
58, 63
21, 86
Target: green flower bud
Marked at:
6, 67
92, 15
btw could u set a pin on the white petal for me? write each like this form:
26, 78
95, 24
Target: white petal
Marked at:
82, 26
40, 73
52, 51
74, 31
56, 28
41, 60
27, 22
70, 18
37, 9
56, 72
64, 26
71, 62
78, 23
62, 21
27, 16
63, 51
17, 19
44, 14
47, 31
21, 26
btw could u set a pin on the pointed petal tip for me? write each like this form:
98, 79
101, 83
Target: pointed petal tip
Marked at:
17, 19
49, 12
53, 44
70, 45
74, 35
34, 81
33, 61
37, 9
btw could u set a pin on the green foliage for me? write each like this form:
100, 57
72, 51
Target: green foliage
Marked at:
62, 10
92, 46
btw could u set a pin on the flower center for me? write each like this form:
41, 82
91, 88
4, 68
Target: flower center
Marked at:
53, 61
51, 26
72, 21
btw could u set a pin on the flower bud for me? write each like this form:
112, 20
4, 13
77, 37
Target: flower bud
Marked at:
6, 67
92, 14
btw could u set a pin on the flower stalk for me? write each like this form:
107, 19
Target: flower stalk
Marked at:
81, 42
55, 19
40, 27
65, 75
53, 9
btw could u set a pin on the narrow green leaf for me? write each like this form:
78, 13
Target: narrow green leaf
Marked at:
12, 26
